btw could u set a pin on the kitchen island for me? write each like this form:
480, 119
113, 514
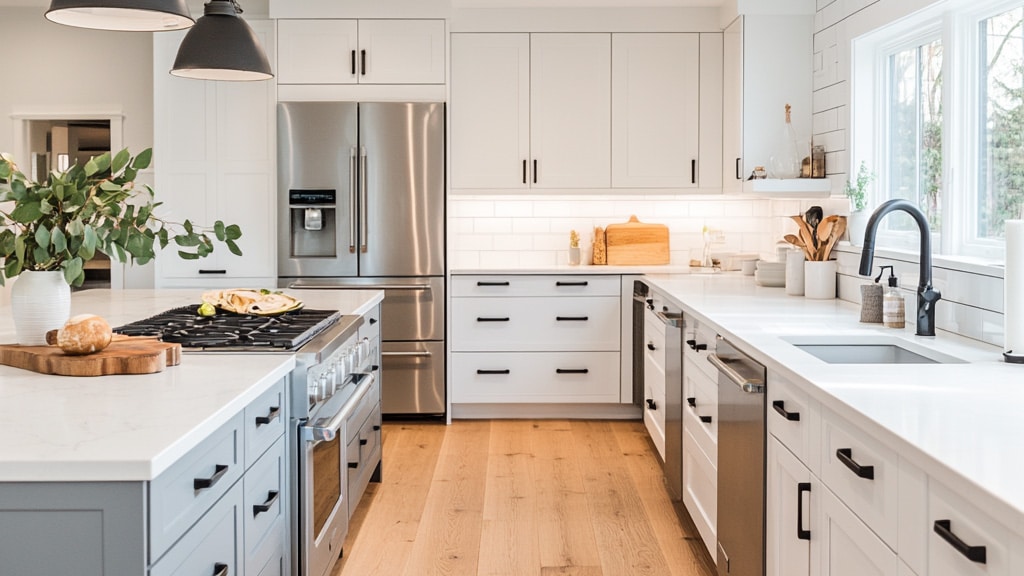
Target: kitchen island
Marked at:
90, 455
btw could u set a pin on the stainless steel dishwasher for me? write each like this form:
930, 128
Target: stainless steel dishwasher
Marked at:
673, 321
741, 472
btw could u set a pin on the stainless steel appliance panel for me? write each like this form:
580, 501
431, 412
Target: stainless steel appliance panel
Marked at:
741, 471
317, 151
413, 308
401, 162
673, 320
412, 378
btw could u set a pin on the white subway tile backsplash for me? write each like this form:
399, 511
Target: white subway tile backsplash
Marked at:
465, 259
513, 208
530, 226
542, 259
513, 242
492, 225
471, 208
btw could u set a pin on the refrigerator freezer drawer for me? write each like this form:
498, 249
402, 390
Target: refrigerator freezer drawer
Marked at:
412, 375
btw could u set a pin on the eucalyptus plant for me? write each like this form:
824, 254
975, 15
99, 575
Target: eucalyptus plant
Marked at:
61, 223
856, 191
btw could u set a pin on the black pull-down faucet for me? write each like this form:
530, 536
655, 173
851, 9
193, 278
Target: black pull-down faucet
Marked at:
927, 296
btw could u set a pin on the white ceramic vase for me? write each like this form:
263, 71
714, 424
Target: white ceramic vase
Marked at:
795, 273
856, 223
820, 280
40, 301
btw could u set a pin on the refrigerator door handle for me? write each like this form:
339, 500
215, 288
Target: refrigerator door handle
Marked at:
352, 199
363, 212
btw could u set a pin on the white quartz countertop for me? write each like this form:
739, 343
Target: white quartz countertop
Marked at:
132, 427
581, 269
960, 423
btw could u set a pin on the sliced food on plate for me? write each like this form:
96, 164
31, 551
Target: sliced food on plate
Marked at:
249, 301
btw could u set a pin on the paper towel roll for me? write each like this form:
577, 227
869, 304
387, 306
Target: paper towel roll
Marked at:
1013, 292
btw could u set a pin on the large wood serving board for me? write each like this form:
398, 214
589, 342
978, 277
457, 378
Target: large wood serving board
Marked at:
124, 355
636, 243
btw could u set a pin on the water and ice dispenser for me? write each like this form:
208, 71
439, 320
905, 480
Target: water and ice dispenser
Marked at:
313, 223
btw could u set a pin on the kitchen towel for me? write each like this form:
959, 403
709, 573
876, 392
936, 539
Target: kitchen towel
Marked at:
1013, 292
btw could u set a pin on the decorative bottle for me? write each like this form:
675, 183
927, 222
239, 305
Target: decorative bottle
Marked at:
787, 161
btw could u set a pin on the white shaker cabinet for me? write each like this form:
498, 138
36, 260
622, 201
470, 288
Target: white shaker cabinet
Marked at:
845, 546
789, 507
214, 158
361, 51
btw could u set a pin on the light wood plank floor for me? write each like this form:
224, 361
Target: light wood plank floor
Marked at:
520, 498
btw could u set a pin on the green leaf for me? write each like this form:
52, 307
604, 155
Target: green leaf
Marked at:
12, 267
218, 230
187, 255
134, 245
42, 236
19, 247
19, 190
39, 254
233, 247
130, 174
121, 256
110, 186
188, 227
75, 227
58, 191
142, 161
89, 241
186, 240
233, 232
73, 268
59, 240
90, 168
102, 161
120, 161
26, 212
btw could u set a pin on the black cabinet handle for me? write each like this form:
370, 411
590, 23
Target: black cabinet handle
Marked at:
220, 569
800, 489
373, 321
275, 411
488, 319
203, 271
505, 371
524, 170
353, 62
374, 368
572, 318
705, 419
692, 402
492, 283
780, 407
362, 62
693, 171
376, 427
650, 303
578, 283
364, 441
651, 347
692, 344
700, 347
651, 404
258, 509
973, 553
535, 171
204, 483
845, 456
572, 370
353, 465
738, 175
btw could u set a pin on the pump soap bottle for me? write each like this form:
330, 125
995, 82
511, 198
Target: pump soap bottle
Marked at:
893, 305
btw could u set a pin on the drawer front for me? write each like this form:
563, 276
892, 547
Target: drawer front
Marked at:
270, 558
535, 324
370, 329
700, 491
363, 455
264, 496
358, 416
213, 542
516, 285
846, 546
703, 436
654, 339
535, 377
794, 419
700, 403
863, 473
654, 404
959, 520
698, 345
264, 421
177, 497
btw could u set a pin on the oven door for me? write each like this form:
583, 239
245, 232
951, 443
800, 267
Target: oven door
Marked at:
323, 477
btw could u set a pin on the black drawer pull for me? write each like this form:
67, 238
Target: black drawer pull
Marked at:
203, 271
489, 319
258, 509
362, 62
651, 347
582, 283
353, 465
650, 303
374, 368
692, 402
651, 404
486, 372
524, 170
373, 321
572, 371
364, 441
973, 553
204, 483
705, 419
534, 170
845, 456
376, 427
220, 569
353, 62
800, 489
780, 407
275, 411
693, 171
492, 283
572, 318
692, 344
738, 175
700, 347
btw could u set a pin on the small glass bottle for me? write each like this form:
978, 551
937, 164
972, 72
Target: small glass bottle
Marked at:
787, 162
893, 305
818, 161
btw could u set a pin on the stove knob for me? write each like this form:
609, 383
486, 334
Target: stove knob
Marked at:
332, 378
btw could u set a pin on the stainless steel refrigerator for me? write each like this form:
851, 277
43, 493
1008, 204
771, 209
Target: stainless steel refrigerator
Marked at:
362, 205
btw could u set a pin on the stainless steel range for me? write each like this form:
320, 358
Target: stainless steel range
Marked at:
334, 395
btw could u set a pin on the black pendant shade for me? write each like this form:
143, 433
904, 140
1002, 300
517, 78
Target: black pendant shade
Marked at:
221, 46
128, 15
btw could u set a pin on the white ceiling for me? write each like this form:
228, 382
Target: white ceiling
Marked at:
255, 4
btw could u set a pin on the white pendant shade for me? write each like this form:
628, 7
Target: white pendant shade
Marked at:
126, 15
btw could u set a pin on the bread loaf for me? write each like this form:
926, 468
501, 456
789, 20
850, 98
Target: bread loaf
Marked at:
84, 334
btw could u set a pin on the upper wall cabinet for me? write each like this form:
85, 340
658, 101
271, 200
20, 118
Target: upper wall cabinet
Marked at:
360, 51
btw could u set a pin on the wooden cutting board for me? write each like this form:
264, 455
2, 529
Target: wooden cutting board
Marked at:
124, 355
635, 243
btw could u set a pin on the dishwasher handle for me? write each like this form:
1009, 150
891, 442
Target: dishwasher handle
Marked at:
750, 386
672, 320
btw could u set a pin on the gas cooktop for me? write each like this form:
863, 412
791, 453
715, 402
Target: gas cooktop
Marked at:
226, 331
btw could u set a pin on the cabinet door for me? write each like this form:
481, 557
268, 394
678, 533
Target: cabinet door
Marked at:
788, 513
401, 51
570, 110
490, 111
845, 546
317, 52
655, 110
963, 540
733, 170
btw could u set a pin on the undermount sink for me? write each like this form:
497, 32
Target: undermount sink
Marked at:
869, 350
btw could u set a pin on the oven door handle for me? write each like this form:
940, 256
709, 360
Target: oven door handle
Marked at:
300, 286
325, 430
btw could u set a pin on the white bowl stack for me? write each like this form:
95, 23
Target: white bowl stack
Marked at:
770, 274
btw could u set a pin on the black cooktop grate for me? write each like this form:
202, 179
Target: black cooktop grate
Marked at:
226, 330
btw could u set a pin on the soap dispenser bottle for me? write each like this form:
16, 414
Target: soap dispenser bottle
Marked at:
893, 305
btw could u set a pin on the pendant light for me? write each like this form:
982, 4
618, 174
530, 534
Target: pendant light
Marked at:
127, 15
221, 46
